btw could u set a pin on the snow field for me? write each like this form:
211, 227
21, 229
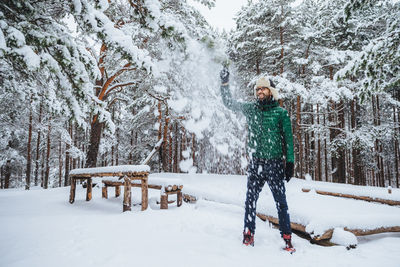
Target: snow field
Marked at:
40, 228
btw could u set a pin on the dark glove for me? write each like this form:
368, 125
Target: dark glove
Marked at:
224, 74
289, 171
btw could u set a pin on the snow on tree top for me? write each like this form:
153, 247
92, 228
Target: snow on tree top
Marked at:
111, 169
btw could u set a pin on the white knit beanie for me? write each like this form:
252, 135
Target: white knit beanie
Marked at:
265, 82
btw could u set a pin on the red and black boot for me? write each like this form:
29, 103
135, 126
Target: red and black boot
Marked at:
248, 238
288, 243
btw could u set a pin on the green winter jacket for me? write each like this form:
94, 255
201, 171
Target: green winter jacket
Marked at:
269, 127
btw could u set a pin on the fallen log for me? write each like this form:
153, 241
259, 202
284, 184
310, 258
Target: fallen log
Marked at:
295, 226
325, 237
153, 152
365, 198
362, 232
189, 198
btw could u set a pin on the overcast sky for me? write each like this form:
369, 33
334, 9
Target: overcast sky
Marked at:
221, 16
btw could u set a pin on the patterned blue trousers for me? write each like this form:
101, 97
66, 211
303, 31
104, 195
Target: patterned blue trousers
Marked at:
272, 172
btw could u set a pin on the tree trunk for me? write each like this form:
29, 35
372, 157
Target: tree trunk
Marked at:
389, 176
281, 31
38, 145
306, 152
356, 160
378, 178
326, 155
1, 177
42, 168
341, 172
382, 169
113, 146
83, 151
94, 143
165, 140
396, 148
193, 148
258, 71
318, 168
160, 157
176, 149
338, 159
117, 149
299, 141
74, 134
183, 143
381, 163
67, 161
60, 162
7, 174
312, 143
46, 178
130, 151
28, 158
170, 150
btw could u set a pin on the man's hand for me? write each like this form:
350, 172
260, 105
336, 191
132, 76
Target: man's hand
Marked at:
289, 171
224, 74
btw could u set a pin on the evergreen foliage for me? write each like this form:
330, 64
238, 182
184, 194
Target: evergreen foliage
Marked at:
149, 69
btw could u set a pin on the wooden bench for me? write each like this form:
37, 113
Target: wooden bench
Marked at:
128, 173
166, 189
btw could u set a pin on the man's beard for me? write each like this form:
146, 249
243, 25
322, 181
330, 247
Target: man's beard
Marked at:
264, 99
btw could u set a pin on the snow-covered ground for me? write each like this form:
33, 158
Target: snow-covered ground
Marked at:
40, 228
317, 212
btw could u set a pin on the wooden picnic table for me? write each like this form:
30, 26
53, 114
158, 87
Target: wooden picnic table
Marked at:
167, 187
128, 173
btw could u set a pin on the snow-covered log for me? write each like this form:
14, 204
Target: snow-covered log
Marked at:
327, 235
366, 198
155, 149
362, 232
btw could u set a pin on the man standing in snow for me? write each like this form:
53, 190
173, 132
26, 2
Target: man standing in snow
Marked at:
270, 135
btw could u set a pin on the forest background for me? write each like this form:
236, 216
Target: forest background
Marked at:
130, 74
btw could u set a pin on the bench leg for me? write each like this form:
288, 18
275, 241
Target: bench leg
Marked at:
72, 192
127, 195
104, 192
145, 196
179, 199
89, 189
117, 191
164, 202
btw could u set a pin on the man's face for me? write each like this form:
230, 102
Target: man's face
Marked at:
263, 93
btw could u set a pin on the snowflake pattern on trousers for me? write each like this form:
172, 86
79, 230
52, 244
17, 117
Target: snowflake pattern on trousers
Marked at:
272, 172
